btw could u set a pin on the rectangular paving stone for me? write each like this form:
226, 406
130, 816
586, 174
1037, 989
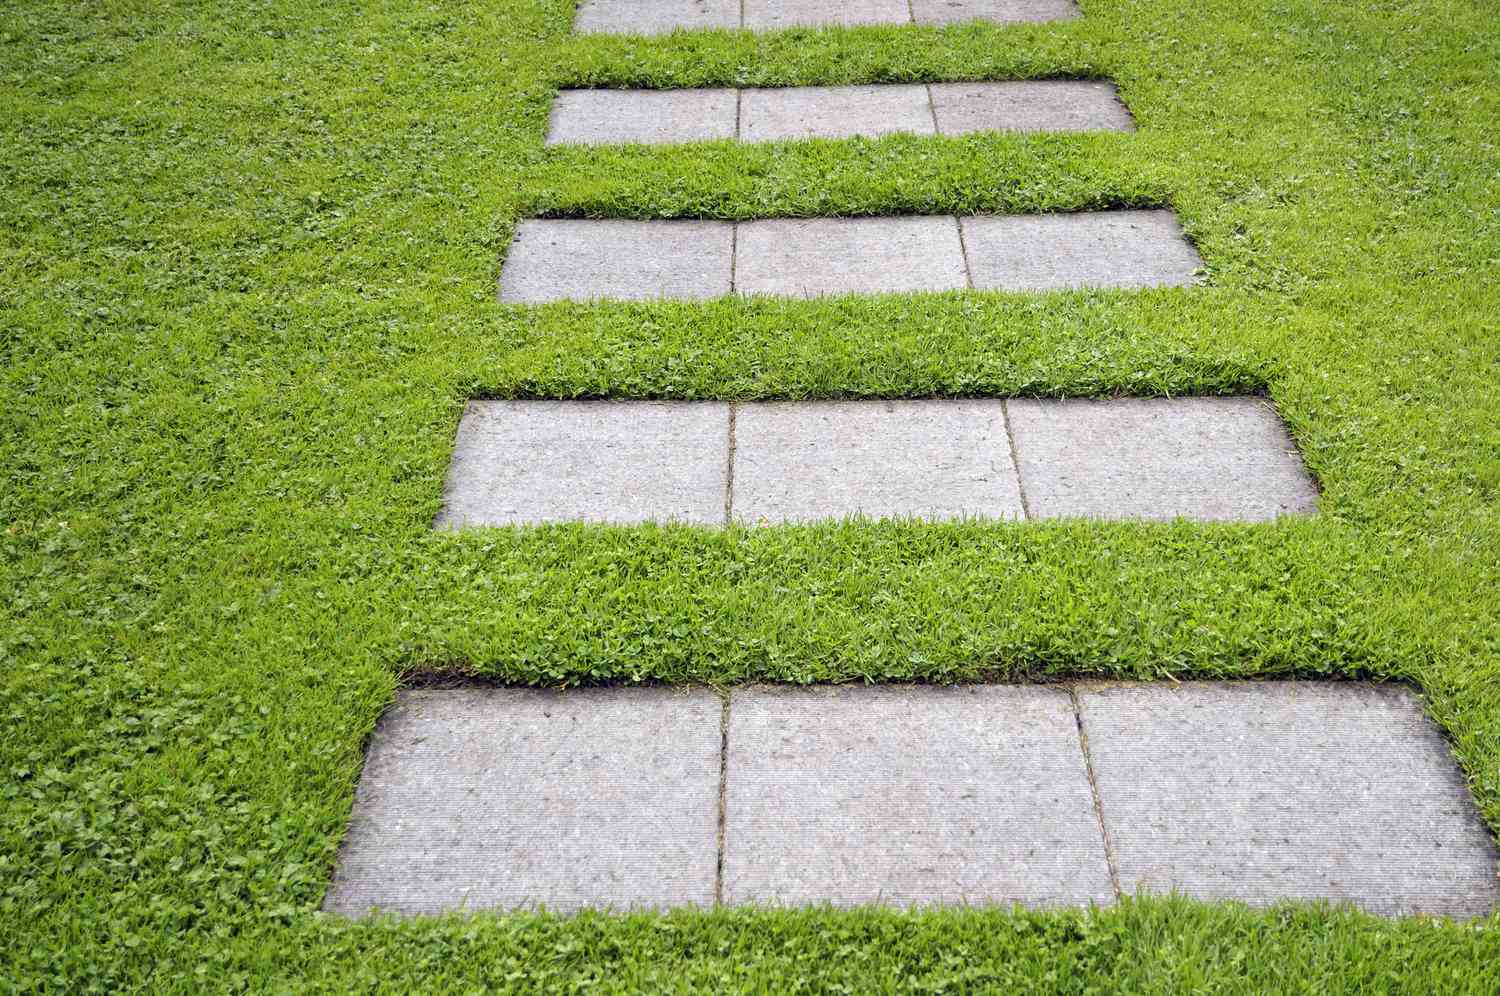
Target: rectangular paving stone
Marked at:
521, 462
654, 17
1158, 458
809, 257
1287, 790
783, 113
476, 798
999, 11
769, 15
1040, 252
1029, 105
589, 259
909, 796
650, 117
803, 461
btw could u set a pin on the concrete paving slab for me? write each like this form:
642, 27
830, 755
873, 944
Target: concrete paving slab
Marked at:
476, 798
769, 15
1040, 252
803, 461
1301, 790
814, 256
651, 117
998, 11
1029, 105
769, 115
654, 17
909, 796
1158, 458
589, 259
519, 462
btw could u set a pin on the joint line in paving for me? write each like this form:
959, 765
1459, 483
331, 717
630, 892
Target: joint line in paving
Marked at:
742, 15
911, 12
739, 110
932, 109
1088, 767
963, 247
729, 469
1015, 461
723, 784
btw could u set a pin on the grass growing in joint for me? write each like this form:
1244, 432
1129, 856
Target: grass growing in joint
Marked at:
247, 266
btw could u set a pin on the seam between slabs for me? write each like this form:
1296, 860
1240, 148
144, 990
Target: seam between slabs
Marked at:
1015, 458
723, 783
1088, 767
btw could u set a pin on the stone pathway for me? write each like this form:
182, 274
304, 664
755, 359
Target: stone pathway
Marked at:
584, 260
656, 117
1044, 795
655, 17
768, 462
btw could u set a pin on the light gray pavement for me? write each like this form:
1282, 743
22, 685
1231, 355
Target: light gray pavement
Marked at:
812, 460
476, 797
584, 260
1159, 458
602, 117
1287, 790
480, 797
654, 17
906, 795
519, 462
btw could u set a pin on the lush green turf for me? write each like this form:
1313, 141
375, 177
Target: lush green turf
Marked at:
247, 265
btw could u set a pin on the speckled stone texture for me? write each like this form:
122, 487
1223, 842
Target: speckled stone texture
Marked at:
909, 796
1159, 458
769, 15
477, 798
924, 459
785, 113
1040, 252
554, 259
1297, 790
650, 117
1029, 105
518, 462
654, 17
816, 256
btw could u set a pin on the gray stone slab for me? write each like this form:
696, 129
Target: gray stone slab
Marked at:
998, 11
803, 461
809, 257
909, 796
1039, 252
1287, 790
475, 798
768, 15
586, 259
1158, 458
1030, 105
782, 113
652, 117
654, 17
521, 462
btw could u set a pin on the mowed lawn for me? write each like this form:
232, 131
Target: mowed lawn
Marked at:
248, 255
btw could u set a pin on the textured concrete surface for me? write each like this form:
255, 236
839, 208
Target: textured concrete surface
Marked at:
654, 17
1040, 252
647, 116
809, 257
909, 795
588, 259
596, 461
1041, 105
1303, 790
499, 797
1158, 458
775, 114
1000, 11
827, 460
768, 15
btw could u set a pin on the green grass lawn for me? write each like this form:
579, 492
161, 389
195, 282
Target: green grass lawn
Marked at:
248, 255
